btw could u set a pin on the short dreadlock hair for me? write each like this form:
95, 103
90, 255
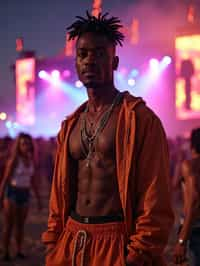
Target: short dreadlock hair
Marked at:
108, 27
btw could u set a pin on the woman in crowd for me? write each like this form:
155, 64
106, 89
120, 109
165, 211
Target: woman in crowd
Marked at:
19, 177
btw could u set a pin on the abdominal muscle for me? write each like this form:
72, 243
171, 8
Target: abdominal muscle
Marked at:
97, 188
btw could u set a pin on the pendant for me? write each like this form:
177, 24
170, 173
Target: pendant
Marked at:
88, 163
89, 156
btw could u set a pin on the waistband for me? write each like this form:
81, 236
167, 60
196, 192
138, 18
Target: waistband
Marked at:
116, 228
96, 219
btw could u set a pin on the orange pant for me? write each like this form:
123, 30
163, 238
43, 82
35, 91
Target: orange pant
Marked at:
89, 245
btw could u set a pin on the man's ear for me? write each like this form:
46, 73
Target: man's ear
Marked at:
115, 62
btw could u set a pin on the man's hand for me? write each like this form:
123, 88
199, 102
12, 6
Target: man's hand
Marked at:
180, 253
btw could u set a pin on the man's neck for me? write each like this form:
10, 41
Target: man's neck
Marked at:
101, 97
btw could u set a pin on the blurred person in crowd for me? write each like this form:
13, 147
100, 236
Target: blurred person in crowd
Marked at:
189, 234
181, 153
50, 159
19, 177
110, 202
41, 153
5, 145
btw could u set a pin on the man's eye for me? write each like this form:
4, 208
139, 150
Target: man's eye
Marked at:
82, 54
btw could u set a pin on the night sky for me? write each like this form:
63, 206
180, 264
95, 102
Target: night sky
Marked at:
42, 25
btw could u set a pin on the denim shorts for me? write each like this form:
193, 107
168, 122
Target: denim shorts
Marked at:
20, 196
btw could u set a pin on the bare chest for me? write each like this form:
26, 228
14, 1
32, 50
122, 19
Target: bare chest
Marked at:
103, 142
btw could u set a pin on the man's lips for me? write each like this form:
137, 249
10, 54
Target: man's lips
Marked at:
89, 72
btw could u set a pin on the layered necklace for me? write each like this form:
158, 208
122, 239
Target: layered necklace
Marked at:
88, 140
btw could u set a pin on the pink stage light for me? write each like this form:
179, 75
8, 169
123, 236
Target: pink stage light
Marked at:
66, 73
123, 71
78, 84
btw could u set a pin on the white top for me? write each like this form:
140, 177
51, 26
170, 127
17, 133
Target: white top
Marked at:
22, 174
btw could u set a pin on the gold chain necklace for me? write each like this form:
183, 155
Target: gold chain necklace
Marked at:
91, 139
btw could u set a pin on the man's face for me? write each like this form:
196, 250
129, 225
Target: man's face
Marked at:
95, 60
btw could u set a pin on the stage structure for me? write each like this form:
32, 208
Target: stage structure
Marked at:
25, 91
47, 90
187, 50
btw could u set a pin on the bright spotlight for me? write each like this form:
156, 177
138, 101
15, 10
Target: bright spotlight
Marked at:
166, 60
154, 68
154, 63
131, 82
3, 116
55, 78
55, 74
43, 74
78, 84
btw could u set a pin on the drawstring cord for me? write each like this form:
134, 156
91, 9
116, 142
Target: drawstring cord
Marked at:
83, 240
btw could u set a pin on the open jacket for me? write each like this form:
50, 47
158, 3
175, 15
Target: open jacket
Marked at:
142, 173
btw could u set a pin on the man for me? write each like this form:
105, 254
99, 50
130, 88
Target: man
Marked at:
109, 203
190, 229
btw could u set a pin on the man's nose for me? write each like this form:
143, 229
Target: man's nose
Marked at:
91, 59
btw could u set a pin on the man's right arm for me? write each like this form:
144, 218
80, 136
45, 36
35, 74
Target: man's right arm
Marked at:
191, 209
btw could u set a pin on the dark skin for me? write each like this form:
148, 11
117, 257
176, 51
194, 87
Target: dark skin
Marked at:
97, 188
190, 173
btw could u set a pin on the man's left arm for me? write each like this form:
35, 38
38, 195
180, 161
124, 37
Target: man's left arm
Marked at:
153, 215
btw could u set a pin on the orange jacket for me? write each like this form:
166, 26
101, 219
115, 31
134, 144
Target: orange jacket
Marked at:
142, 173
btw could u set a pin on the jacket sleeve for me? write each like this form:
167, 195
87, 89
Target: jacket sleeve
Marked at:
55, 210
153, 213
